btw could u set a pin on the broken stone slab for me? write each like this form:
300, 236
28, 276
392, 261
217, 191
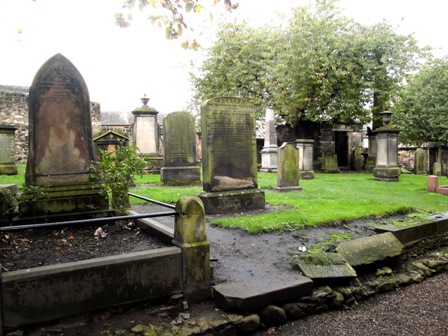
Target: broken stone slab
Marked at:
368, 250
250, 296
409, 234
320, 266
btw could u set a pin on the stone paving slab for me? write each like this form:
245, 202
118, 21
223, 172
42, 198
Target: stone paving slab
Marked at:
256, 294
319, 266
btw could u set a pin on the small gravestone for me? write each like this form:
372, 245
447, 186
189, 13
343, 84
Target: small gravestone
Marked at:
7, 150
269, 151
108, 141
320, 266
420, 161
229, 158
60, 143
437, 169
179, 145
368, 250
329, 161
358, 159
288, 172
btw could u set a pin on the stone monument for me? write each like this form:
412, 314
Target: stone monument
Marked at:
179, 146
229, 158
420, 161
60, 144
7, 150
329, 161
146, 135
288, 172
269, 151
306, 149
386, 168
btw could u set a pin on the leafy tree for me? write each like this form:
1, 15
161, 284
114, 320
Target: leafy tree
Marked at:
321, 67
422, 111
117, 170
170, 14
238, 64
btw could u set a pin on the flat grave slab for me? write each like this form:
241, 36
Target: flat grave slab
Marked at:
319, 266
253, 295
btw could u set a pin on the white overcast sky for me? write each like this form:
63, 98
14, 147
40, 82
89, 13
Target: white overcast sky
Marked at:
120, 65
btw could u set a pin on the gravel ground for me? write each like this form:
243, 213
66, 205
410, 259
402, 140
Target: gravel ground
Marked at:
420, 309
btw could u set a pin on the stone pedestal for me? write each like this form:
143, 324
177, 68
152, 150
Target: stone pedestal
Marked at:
146, 135
386, 168
233, 201
306, 150
190, 235
269, 151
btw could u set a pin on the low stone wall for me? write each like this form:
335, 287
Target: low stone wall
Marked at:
46, 293
14, 111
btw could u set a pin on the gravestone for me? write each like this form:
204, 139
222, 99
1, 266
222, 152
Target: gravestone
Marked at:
146, 135
358, 159
306, 149
420, 161
329, 161
179, 145
288, 172
269, 151
229, 158
60, 143
7, 150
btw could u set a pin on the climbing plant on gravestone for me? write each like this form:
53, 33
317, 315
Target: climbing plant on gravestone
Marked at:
117, 170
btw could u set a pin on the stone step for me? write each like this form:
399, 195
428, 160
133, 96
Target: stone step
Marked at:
258, 294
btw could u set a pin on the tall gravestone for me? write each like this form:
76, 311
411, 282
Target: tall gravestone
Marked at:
146, 134
269, 151
7, 150
288, 172
229, 158
179, 146
60, 143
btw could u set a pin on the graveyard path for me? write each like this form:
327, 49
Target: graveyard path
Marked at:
419, 309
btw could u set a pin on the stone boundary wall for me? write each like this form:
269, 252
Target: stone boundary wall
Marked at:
14, 111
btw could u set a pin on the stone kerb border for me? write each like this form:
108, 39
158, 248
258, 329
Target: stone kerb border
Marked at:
46, 293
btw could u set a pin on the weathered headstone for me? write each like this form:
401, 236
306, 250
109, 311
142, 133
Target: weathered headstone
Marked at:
420, 161
179, 145
358, 159
329, 161
60, 143
288, 172
306, 149
146, 134
319, 266
437, 168
229, 161
269, 151
7, 150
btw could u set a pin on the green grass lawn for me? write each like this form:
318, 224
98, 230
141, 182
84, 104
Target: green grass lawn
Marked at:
329, 198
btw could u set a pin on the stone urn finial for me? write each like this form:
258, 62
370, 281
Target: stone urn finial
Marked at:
387, 118
145, 100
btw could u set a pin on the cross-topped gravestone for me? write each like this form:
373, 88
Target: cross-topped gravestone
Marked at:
229, 160
60, 141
